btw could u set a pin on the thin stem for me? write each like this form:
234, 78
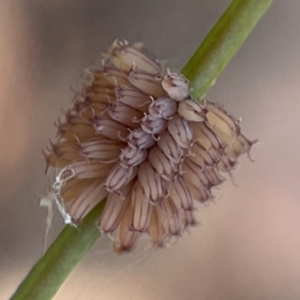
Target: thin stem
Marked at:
47, 276
222, 42
202, 70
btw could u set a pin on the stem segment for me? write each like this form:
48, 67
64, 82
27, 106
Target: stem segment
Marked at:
202, 70
47, 276
222, 42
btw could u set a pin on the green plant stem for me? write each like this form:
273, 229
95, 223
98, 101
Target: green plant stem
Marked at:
222, 42
203, 68
46, 277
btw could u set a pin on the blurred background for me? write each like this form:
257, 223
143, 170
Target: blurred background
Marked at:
248, 245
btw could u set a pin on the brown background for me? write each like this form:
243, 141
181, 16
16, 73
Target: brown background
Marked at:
249, 245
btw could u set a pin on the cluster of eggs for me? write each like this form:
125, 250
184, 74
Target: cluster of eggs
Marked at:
135, 136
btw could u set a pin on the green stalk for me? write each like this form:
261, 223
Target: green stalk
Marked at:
202, 70
50, 272
222, 42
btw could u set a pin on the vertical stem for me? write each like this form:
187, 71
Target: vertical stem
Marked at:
50, 272
222, 42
